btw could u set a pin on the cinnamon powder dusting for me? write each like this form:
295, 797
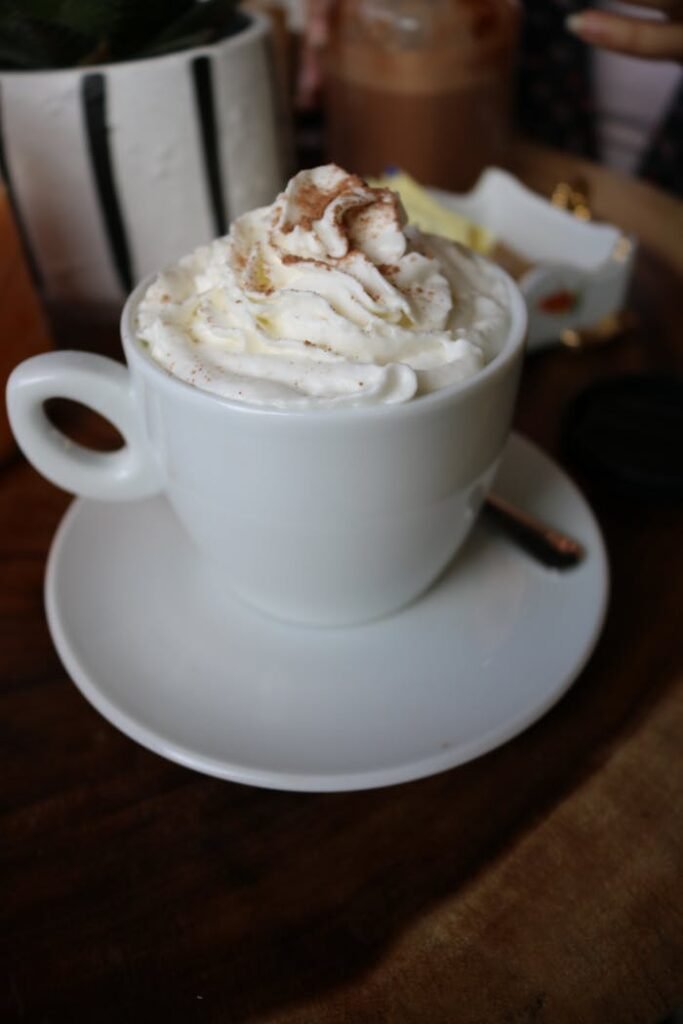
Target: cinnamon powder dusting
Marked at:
313, 201
289, 259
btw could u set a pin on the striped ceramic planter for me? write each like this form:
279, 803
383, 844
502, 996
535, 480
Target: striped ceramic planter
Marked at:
117, 170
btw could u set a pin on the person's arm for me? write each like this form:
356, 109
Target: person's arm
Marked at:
639, 37
315, 39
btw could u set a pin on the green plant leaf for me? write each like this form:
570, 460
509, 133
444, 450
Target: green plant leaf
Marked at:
63, 33
202, 24
37, 44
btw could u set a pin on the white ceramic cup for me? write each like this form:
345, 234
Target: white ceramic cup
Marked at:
321, 516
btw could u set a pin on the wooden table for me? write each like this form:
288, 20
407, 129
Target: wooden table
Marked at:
541, 883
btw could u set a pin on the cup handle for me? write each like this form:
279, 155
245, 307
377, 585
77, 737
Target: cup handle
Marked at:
104, 386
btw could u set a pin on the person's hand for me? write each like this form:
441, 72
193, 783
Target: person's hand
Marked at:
638, 37
315, 39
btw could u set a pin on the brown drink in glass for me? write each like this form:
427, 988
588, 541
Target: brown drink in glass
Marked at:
424, 85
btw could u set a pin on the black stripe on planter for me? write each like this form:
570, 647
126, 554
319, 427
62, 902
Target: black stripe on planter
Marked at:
31, 261
206, 108
94, 107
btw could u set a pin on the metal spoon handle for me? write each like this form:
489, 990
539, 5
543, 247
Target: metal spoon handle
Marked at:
547, 544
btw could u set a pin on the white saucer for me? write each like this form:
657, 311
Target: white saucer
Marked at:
230, 692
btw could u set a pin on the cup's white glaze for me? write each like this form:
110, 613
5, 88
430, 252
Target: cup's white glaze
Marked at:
321, 516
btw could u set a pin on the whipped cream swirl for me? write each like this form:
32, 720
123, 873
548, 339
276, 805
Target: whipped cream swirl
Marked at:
325, 297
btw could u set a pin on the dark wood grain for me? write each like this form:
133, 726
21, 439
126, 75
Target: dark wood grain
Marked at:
541, 883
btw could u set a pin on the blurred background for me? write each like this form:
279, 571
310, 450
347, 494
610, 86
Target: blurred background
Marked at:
130, 135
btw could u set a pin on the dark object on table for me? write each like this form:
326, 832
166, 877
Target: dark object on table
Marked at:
545, 543
627, 432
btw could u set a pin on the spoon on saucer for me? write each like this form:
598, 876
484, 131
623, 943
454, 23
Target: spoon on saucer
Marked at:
547, 544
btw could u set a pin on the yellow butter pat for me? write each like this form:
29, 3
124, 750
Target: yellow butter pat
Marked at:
431, 216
